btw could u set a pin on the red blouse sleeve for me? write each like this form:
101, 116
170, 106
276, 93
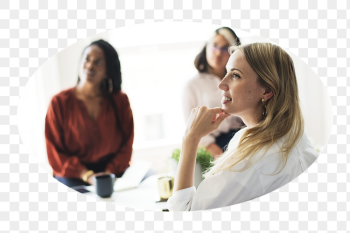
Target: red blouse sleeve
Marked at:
121, 161
62, 163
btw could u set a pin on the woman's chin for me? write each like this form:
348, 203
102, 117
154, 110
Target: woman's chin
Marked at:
87, 78
93, 80
90, 79
226, 109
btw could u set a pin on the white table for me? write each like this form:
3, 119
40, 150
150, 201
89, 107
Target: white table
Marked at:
144, 197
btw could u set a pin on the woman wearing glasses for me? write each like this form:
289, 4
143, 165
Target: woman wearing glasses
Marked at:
202, 89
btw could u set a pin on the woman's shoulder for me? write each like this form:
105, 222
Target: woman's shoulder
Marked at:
306, 151
121, 97
301, 154
62, 103
120, 94
63, 96
303, 147
199, 79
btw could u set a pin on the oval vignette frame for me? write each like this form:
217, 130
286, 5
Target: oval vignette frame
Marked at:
148, 39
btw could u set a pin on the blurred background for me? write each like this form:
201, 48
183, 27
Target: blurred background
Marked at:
156, 61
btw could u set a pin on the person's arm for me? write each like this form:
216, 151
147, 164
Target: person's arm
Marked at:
189, 102
121, 161
202, 121
63, 164
187, 161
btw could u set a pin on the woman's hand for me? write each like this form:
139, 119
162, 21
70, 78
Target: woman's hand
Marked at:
203, 121
90, 179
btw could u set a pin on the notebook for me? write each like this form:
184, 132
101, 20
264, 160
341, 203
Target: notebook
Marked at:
133, 176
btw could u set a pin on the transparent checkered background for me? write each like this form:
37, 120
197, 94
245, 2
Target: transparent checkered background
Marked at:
33, 31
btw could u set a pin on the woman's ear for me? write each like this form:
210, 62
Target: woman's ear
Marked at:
268, 94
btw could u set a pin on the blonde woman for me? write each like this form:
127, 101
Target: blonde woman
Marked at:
261, 88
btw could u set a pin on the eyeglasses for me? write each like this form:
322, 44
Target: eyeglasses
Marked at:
216, 48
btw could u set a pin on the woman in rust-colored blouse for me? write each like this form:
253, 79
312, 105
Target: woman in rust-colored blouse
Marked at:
89, 129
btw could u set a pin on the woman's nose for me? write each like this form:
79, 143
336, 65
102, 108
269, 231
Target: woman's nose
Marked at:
218, 52
222, 85
88, 65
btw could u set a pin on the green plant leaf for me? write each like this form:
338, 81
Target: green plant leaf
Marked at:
203, 157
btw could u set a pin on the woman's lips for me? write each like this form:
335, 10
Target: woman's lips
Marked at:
225, 100
90, 73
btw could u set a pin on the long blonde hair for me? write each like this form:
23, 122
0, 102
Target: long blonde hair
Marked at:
276, 71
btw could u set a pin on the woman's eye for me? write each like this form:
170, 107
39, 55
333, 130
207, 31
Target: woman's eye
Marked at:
234, 75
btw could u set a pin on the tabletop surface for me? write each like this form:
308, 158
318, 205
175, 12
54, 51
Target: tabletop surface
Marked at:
144, 197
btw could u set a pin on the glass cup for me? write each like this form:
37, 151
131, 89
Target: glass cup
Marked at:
165, 186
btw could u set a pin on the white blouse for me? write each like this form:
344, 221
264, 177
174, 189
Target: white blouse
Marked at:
202, 90
228, 187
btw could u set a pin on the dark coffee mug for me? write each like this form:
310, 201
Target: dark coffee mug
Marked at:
104, 185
